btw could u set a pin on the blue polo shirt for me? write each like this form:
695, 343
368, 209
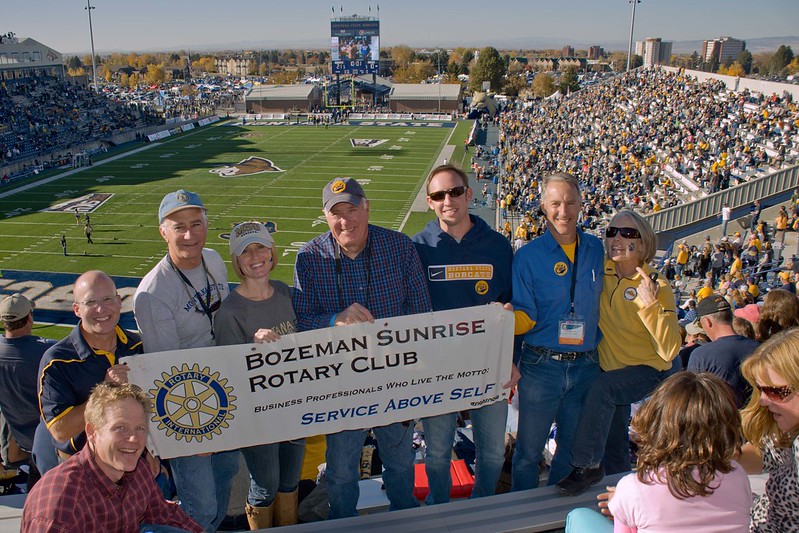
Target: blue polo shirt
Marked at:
542, 275
68, 372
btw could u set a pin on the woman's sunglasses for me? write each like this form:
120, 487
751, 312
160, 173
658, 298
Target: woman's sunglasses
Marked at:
776, 394
627, 233
453, 193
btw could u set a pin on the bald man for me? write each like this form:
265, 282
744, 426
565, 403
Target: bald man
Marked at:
90, 354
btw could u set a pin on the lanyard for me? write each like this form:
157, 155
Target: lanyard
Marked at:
340, 274
205, 304
574, 274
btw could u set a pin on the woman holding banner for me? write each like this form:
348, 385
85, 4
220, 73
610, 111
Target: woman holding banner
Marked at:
260, 310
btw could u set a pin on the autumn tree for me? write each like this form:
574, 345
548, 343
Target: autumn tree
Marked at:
489, 67
781, 59
514, 85
402, 55
543, 85
155, 75
284, 77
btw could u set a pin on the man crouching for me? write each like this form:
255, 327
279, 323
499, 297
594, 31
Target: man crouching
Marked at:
107, 486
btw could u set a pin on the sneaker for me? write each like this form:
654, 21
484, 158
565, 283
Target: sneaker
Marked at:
579, 480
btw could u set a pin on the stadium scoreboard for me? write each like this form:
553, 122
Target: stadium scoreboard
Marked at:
355, 46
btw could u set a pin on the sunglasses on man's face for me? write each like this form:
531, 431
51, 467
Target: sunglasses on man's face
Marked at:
776, 394
627, 233
454, 192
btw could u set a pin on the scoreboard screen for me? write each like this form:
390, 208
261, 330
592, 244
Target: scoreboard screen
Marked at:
355, 46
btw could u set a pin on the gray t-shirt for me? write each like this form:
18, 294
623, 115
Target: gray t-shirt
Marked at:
167, 311
239, 318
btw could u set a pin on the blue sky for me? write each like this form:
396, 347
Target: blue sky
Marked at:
199, 24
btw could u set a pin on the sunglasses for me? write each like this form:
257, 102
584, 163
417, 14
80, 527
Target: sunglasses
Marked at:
776, 394
453, 193
627, 233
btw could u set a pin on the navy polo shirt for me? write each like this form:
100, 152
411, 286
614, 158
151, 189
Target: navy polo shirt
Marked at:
68, 372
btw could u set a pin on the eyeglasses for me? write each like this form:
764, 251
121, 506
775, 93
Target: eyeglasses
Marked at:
627, 233
776, 394
94, 304
453, 193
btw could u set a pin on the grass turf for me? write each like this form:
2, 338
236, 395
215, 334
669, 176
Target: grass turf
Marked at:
126, 238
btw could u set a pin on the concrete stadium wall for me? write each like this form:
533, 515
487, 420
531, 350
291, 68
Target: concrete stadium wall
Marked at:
739, 84
422, 106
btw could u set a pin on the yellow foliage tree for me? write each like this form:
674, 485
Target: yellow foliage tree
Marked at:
543, 85
74, 72
793, 66
206, 64
124, 79
402, 55
283, 77
736, 70
155, 75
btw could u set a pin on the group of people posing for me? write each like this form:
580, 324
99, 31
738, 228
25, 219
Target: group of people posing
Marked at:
597, 330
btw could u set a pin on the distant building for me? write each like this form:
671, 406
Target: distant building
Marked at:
596, 52
558, 63
283, 98
233, 66
722, 50
567, 51
654, 51
28, 58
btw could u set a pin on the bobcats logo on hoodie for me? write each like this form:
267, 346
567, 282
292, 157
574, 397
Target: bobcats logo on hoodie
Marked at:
247, 167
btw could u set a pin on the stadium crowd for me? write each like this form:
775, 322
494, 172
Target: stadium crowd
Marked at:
41, 116
645, 140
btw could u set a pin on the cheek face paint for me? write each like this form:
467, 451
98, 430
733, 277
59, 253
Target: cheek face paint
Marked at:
631, 247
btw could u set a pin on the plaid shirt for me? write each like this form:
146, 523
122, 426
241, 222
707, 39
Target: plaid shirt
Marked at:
78, 496
386, 278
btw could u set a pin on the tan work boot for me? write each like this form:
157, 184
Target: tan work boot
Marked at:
286, 508
258, 517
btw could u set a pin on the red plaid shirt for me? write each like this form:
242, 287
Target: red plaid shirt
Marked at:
78, 496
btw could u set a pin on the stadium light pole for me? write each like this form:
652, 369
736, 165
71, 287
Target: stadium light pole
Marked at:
89, 8
438, 56
632, 25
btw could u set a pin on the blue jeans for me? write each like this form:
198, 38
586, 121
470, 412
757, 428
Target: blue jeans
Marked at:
43, 453
488, 429
582, 520
273, 468
203, 485
343, 457
549, 391
603, 425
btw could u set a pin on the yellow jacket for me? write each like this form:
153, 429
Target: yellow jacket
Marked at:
631, 333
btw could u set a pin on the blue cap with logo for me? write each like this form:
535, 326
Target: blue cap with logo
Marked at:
175, 201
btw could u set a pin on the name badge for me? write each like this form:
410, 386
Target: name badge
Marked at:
571, 330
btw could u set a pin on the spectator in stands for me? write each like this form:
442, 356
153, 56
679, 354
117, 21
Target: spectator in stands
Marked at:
456, 239
726, 213
640, 339
20, 354
687, 479
89, 355
781, 225
556, 286
175, 304
365, 251
771, 425
780, 311
724, 354
107, 486
260, 310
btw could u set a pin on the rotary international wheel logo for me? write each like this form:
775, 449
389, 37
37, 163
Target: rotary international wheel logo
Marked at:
192, 404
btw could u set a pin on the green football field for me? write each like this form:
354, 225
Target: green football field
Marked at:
392, 168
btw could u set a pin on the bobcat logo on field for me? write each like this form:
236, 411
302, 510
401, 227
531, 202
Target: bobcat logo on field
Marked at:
247, 167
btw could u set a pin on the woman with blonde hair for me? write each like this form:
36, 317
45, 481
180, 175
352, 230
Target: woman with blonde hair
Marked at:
771, 425
686, 479
260, 310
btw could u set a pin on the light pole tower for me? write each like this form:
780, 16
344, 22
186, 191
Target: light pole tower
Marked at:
632, 25
89, 8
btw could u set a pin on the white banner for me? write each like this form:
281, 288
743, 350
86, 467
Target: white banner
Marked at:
326, 381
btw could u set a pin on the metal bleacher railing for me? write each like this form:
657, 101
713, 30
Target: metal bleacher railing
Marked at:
676, 221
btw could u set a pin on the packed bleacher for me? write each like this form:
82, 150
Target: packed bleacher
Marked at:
41, 116
647, 140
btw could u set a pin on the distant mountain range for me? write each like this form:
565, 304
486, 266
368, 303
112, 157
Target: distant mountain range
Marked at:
754, 45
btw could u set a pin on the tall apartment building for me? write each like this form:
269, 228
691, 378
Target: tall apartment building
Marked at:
567, 51
722, 49
654, 51
596, 52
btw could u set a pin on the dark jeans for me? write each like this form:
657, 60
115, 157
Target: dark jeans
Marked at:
602, 435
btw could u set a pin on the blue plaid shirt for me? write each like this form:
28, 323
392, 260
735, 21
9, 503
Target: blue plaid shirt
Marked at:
386, 278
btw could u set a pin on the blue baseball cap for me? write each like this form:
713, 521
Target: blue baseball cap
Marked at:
175, 201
